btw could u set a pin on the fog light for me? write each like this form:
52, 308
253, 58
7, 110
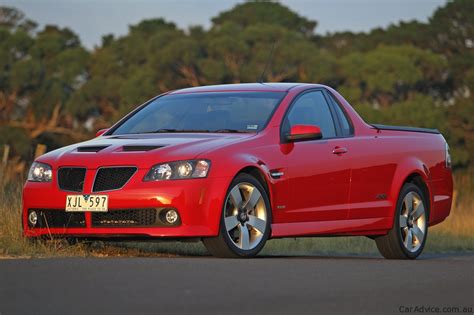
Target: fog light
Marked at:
171, 216
33, 218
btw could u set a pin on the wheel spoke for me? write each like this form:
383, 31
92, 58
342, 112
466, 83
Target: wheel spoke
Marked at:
418, 233
231, 222
257, 223
419, 210
408, 240
244, 242
253, 198
408, 202
403, 221
235, 196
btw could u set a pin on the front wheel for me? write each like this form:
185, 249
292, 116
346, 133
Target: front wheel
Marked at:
245, 221
407, 237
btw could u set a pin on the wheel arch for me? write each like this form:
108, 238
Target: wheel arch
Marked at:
416, 172
261, 176
417, 179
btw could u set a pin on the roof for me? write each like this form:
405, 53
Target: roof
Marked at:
263, 87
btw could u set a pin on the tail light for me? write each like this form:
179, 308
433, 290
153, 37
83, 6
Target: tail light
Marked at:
447, 156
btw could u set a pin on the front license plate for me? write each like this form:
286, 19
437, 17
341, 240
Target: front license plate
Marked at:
81, 203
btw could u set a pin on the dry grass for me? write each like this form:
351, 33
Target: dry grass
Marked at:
456, 234
461, 220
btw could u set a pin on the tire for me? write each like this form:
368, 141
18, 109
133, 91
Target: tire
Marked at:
245, 221
407, 238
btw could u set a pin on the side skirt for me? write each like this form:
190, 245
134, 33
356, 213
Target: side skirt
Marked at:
370, 226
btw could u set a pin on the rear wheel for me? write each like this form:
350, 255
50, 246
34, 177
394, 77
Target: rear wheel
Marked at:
407, 237
245, 221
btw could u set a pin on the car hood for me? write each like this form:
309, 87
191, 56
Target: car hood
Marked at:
143, 151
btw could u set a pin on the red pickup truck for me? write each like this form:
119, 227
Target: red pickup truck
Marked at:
235, 165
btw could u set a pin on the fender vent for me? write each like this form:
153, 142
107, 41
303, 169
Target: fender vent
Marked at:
95, 148
132, 148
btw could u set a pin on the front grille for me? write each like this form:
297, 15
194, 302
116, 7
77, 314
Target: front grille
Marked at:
71, 178
125, 218
50, 218
112, 178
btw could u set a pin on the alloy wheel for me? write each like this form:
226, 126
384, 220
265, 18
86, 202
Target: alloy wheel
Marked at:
245, 216
413, 221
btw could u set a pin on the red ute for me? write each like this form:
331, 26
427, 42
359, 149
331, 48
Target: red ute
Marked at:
235, 165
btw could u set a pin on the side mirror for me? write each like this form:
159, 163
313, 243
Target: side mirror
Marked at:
304, 133
101, 132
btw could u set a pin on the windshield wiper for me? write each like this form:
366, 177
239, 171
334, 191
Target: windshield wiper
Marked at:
170, 130
230, 130
164, 130
158, 131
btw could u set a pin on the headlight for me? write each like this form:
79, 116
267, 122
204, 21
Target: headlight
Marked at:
179, 170
40, 172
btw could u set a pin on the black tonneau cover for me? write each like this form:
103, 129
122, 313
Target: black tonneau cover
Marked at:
403, 128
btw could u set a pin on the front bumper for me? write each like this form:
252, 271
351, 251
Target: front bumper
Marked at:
198, 202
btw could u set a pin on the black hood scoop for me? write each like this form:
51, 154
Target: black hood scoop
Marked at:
92, 148
140, 148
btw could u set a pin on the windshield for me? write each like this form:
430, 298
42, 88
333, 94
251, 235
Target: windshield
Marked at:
204, 112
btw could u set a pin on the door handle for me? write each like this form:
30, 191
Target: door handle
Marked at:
339, 150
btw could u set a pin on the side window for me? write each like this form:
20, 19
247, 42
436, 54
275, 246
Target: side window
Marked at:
345, 125
312, 109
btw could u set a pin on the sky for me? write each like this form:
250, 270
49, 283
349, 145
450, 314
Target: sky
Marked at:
91, 19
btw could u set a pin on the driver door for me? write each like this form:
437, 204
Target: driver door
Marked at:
319, 176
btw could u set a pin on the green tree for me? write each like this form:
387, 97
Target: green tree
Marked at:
39, 72
389, 73
265, 12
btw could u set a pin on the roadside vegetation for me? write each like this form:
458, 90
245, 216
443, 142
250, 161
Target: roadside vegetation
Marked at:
54, 91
